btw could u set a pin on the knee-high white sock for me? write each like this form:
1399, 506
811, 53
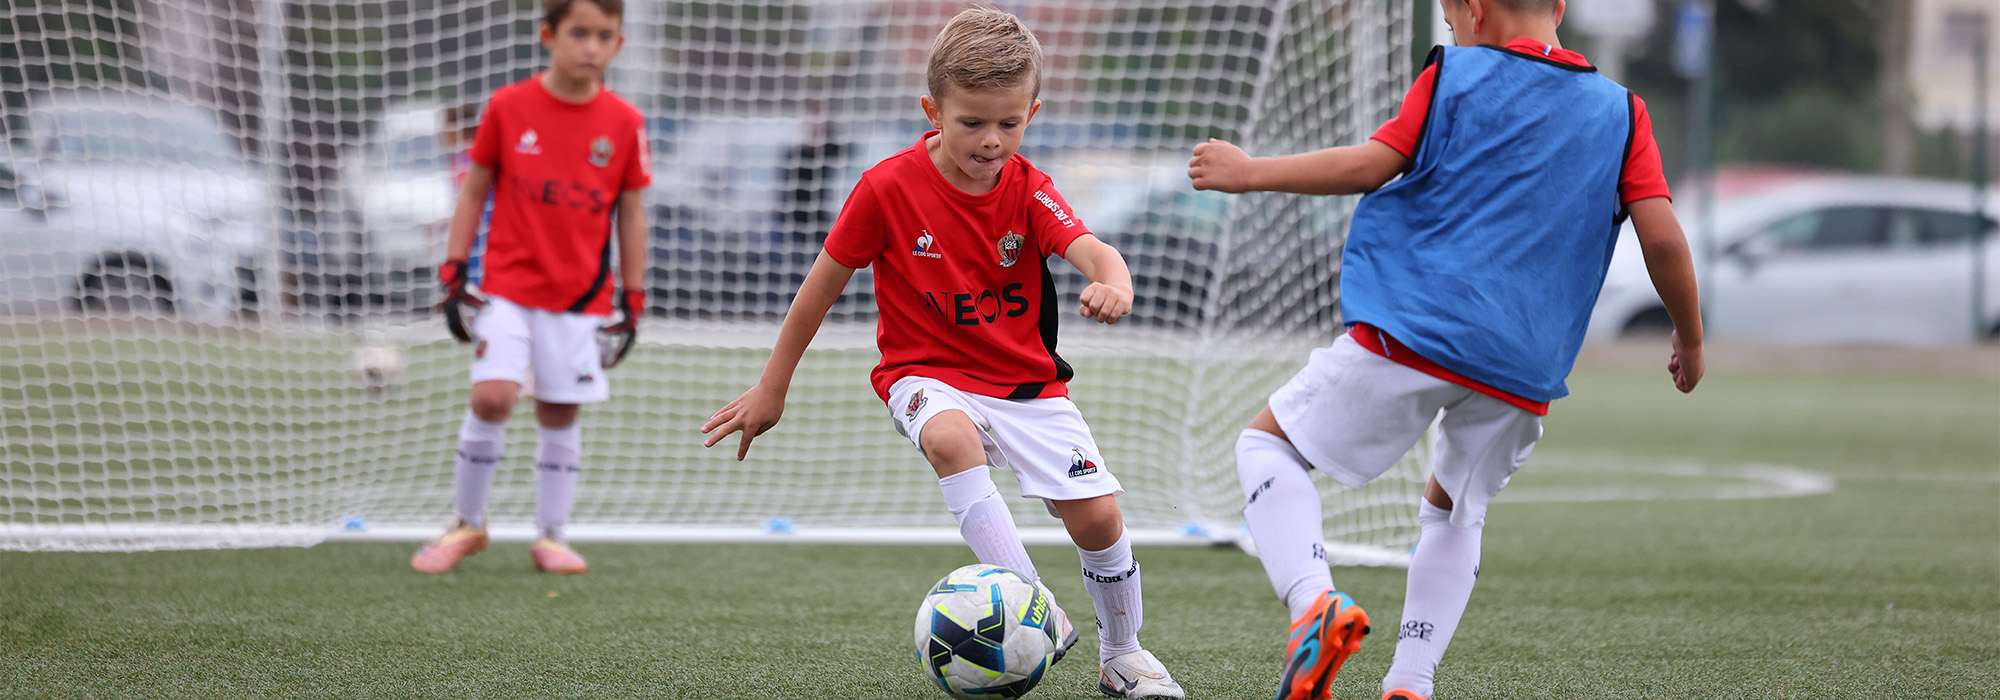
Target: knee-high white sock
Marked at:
558, 458
1283, 513
1442, 572
1112, 577
480, 445
984, 521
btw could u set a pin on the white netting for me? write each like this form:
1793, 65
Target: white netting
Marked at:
217, 212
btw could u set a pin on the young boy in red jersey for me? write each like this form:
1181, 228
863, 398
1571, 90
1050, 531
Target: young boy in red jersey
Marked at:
562, 155
957, 228
1467, 285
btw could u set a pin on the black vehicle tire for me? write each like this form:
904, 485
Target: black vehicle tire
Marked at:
124, 283
1651, 323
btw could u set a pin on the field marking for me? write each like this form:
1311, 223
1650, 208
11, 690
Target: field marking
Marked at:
1725, 482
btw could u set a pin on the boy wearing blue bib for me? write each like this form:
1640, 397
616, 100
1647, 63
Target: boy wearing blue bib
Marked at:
1466, 285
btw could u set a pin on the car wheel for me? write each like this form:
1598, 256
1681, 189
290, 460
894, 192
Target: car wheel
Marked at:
124, 283
1652, 322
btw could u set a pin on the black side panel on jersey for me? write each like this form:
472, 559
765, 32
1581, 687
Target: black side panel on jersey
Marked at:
1625, 156
1050, 320
603, 271
1435, 59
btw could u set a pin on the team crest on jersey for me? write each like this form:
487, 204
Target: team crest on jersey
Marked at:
600, 152
530, 143
916, 404
1010, 248
923, 249
1080, 465
479, 351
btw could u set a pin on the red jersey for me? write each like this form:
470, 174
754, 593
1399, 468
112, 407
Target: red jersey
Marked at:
558, 169
1642, 177
965, 295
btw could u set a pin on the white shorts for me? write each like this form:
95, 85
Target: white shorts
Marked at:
1043, 441
1353, 414
561, 347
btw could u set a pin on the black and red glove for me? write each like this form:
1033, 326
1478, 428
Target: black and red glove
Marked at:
616, 338
460, 303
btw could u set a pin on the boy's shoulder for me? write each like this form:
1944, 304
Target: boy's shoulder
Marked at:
612, 101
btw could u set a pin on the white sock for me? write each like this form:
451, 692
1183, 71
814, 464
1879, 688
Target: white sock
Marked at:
1283, 512
1112, 577
558, 458
1442, 572
480, 445
984, 521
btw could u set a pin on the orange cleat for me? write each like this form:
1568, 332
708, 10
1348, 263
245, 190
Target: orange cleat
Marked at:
1322, 640
460, 540
1402, 695
553, 556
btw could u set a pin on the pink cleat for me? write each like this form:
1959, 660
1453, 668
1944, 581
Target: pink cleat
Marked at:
555, 557
459, 541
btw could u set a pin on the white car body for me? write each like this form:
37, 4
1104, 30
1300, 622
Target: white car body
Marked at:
402, 185
1823, 259
127, 178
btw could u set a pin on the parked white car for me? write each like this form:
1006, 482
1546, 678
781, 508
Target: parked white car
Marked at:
127, 204
402, 189
1825, 259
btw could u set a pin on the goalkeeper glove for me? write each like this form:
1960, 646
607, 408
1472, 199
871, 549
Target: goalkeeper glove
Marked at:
461, 304
616, 338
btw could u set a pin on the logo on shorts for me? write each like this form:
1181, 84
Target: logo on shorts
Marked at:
923, 248
479, 350
529, 143
583, 378
1080, 465
600, 152
1010, 249
916, 404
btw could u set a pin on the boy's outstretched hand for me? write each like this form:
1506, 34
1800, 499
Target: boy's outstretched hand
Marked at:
1686, 365
1220, 165
1104, 302
753, 413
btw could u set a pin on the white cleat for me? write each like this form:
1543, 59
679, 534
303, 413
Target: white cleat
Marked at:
1063, 632
1138, 675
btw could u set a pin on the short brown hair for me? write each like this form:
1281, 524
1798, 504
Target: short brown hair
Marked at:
1546, 7
984, 49
553, 11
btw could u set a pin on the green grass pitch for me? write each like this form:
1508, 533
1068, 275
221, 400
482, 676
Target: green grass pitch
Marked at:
1887, 586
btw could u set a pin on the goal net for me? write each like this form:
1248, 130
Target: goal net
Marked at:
222, 220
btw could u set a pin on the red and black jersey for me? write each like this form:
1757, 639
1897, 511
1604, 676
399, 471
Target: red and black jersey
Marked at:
558, 169
964, 290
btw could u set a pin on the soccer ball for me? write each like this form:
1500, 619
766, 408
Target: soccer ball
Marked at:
986, 632
379, 367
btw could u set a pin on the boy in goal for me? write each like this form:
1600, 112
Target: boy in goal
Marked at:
1466, 286
957, 228
565, 160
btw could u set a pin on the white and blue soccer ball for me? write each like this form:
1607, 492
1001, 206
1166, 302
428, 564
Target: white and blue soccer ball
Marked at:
986, 632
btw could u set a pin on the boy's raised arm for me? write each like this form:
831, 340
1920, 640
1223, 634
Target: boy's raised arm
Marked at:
1672, 268
1220, 165
760, 408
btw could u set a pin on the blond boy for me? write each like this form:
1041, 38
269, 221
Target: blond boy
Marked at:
957, 228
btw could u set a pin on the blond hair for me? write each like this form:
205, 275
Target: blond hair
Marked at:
984, 49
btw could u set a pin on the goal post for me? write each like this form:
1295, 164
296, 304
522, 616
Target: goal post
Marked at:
215, 306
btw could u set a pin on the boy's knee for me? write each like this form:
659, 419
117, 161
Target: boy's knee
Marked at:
493, 402
951, 442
